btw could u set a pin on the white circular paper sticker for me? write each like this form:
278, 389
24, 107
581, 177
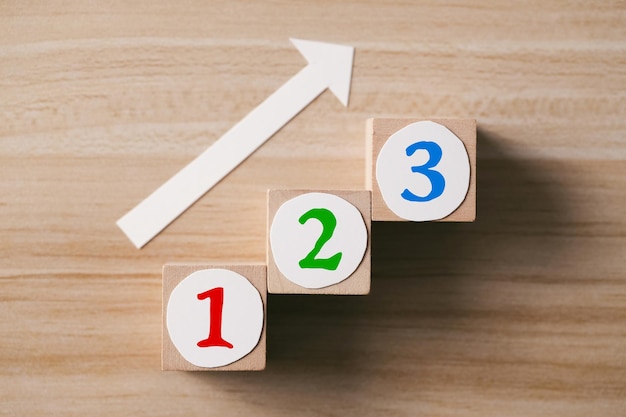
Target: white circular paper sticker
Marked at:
214, 317
318, 239
423, 172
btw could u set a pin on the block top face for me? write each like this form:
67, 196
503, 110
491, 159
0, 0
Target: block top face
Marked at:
206, 320
214, 317
318, 239
319, 242
438, 157
422, 170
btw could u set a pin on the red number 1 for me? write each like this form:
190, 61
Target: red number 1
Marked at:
215, 326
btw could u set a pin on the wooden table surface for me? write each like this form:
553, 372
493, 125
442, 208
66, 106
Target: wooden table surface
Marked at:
522, 313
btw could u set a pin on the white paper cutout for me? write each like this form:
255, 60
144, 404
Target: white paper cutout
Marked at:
394, 174
188, 318
292, 241
330, 66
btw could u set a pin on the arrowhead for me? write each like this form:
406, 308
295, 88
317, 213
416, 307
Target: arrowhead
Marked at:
334, 63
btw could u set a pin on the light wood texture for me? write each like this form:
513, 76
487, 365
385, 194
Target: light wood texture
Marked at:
171, 359
358, 283
378, 131
521, 313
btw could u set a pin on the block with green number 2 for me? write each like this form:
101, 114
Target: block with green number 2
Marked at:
319, 242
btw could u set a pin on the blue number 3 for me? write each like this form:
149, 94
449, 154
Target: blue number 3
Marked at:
437, 181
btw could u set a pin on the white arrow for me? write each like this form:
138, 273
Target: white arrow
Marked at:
329, 66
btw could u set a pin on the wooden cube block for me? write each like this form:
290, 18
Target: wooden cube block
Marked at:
214, 317
421, 170
319, 242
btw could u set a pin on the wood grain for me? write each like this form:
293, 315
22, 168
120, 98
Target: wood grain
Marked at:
519, 314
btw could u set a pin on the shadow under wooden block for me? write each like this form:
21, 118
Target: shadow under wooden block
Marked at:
256, 275
378, 132
350, 236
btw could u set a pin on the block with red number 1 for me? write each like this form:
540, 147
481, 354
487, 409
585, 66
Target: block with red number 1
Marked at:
214, 317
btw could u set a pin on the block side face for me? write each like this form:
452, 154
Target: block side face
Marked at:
369, 146
464, 129
381, 130
173, 274
358, 283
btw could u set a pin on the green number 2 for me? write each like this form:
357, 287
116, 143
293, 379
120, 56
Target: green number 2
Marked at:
329, 222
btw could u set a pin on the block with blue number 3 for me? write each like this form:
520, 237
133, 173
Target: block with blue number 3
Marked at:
319, 242
421, 169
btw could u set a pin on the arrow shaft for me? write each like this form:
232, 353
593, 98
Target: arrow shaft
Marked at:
177, 194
